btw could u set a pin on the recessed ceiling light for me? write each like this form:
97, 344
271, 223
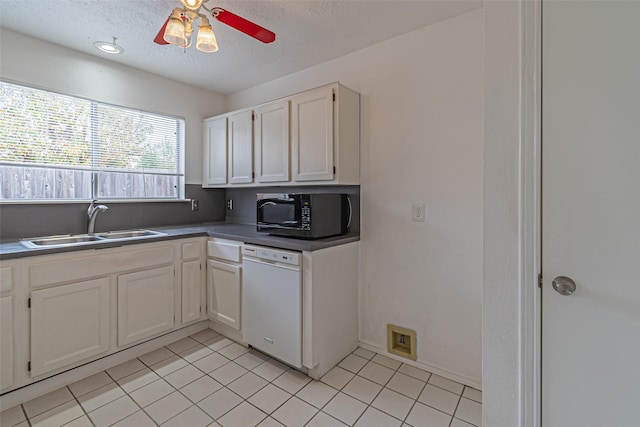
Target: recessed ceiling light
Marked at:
109, 47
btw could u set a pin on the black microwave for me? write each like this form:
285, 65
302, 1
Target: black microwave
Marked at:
305, 216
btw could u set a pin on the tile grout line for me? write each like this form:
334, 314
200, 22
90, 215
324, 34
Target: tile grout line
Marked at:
404, 421
456, 408
81, 407
132, 399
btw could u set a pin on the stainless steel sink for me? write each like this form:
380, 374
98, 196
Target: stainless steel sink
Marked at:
69, 240
86, 239
130, 234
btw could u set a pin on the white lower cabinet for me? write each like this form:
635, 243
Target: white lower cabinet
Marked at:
69, 323
63, 310
145, 304
223, 292
6, 342
191, 289
192, 281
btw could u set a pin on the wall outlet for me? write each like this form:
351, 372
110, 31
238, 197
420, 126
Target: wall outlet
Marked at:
195, 204
419, 212
230, 204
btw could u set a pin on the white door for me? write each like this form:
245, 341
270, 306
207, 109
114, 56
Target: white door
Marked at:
145, 304
272, 142
591, 214
241, 148
223, 293
312, 135
215, 152
69, 323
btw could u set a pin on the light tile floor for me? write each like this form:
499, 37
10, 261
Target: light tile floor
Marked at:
208, 380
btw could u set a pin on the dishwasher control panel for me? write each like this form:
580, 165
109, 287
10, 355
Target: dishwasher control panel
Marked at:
273, 255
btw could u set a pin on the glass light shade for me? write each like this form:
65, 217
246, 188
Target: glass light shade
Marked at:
192, 4
175, 33
206, 41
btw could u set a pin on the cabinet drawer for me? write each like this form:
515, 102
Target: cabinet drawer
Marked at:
190, 251
58, 270
6, 279
224, 249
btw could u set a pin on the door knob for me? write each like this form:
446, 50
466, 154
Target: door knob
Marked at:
564, 285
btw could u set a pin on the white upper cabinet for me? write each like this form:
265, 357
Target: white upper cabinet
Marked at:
215, 152
241, 148
271, 131
311, 137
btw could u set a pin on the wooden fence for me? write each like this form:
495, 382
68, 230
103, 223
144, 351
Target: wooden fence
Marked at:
23, 183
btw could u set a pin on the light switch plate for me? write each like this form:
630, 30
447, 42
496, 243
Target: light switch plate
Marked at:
419, 212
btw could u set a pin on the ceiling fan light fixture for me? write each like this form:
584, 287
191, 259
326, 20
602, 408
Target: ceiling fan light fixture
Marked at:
175, 31
206, 41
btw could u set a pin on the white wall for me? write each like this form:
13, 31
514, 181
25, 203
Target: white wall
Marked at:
422, 141
47, 66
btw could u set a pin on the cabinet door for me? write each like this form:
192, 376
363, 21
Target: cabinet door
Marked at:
69, 323
6, 342
191, 285
271, 132
241, 148
312, 135
223, 293
214, 168
145, 304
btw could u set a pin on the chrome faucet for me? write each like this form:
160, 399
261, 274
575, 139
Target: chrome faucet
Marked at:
92, 213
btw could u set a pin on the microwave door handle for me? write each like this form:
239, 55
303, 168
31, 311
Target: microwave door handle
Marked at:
284, 227
267, 203
350, 212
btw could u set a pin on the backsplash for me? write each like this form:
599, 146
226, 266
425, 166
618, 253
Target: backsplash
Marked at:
31, 220
18, 221
244, 201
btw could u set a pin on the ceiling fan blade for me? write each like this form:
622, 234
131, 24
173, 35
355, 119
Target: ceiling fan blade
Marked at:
160, 37
245, 26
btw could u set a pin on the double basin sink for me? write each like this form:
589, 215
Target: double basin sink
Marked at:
85, 239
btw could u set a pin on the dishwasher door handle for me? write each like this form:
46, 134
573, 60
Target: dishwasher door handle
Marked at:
271, 263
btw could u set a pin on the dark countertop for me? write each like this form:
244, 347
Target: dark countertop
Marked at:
242, 232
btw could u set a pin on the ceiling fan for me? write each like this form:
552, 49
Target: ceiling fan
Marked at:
178, 27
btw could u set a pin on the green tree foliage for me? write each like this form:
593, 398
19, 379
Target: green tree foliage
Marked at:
47, 128
39, 128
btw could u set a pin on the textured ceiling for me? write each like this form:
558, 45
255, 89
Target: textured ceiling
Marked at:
308, 32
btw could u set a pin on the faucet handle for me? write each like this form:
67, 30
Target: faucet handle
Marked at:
91, 206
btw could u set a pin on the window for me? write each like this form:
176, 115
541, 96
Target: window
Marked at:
57, 147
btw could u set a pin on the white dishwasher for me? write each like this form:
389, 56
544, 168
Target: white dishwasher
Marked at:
272, 302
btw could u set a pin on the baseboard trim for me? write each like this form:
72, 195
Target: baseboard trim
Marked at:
227, 331
42, 387
453, 376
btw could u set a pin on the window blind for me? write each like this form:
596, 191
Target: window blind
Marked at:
55, 146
